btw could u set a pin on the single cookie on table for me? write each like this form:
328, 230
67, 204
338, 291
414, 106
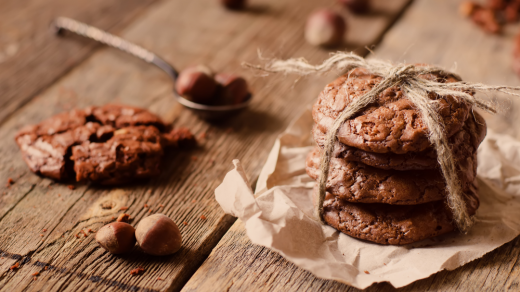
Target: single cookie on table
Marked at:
47, 146
131, 153
357, 182
464, 143
391, 224
392, 124
119, 116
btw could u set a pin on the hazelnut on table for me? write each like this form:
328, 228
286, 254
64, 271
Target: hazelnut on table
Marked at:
116, 237
158, 235
325, 28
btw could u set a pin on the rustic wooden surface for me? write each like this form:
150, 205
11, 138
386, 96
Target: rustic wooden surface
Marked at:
428, 32
40, 220
30, 59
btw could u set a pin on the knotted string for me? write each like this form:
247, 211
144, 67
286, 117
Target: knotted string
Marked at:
416, 89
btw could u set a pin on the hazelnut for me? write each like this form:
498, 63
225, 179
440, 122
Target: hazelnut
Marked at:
233, 89
196, 84
325, 28
356, 6
158, 235
233, 4
116, 237
467, 8
486, 19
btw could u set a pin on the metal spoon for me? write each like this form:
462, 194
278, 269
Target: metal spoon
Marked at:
208, 112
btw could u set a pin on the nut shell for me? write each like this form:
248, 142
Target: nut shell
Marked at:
158, 235
196, 85
325, 28
234, 89
116, 237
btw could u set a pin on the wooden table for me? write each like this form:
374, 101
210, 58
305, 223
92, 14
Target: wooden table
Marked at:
41, 75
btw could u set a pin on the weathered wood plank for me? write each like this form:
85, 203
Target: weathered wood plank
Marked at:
429, 32
183, 32
31, 58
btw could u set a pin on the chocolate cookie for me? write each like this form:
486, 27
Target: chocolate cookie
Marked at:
131, 153
464, 143
357, 182
47, 147
390, 224
390, 125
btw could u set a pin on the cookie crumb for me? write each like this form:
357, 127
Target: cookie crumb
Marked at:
160, 279
185, 223
366, 272
202, 136
35, 273
137, 271
15, 266
44, 229
123, 218
145, 205
10, 182
202, 217
123, 208
72, 187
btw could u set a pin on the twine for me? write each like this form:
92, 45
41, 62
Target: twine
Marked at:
416, 89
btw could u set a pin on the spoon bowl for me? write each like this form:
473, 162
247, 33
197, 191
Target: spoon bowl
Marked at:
207, 112
213, 112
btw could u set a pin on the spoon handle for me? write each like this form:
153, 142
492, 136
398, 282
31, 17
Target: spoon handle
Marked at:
64, 23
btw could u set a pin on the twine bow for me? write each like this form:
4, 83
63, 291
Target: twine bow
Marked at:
416, 89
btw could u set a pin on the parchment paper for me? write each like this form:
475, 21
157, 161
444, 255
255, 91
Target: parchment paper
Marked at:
279, 216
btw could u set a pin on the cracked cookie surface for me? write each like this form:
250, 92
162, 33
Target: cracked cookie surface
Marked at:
391, 224
392, 124
464, 143
357, 182
108, 144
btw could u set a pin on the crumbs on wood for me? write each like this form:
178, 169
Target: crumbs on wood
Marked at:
137, 271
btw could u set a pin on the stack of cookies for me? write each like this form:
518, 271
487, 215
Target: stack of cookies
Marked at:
384, 183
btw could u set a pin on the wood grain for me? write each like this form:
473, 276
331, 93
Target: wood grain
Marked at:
422, 36
32, 58
41, 221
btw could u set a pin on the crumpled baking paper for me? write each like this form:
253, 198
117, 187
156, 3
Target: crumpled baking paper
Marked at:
279, 216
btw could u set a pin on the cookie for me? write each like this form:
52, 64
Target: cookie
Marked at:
464, 143
119, 116
131, 153
392, 124
357, 182
391, 224
46, 154
47, 147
